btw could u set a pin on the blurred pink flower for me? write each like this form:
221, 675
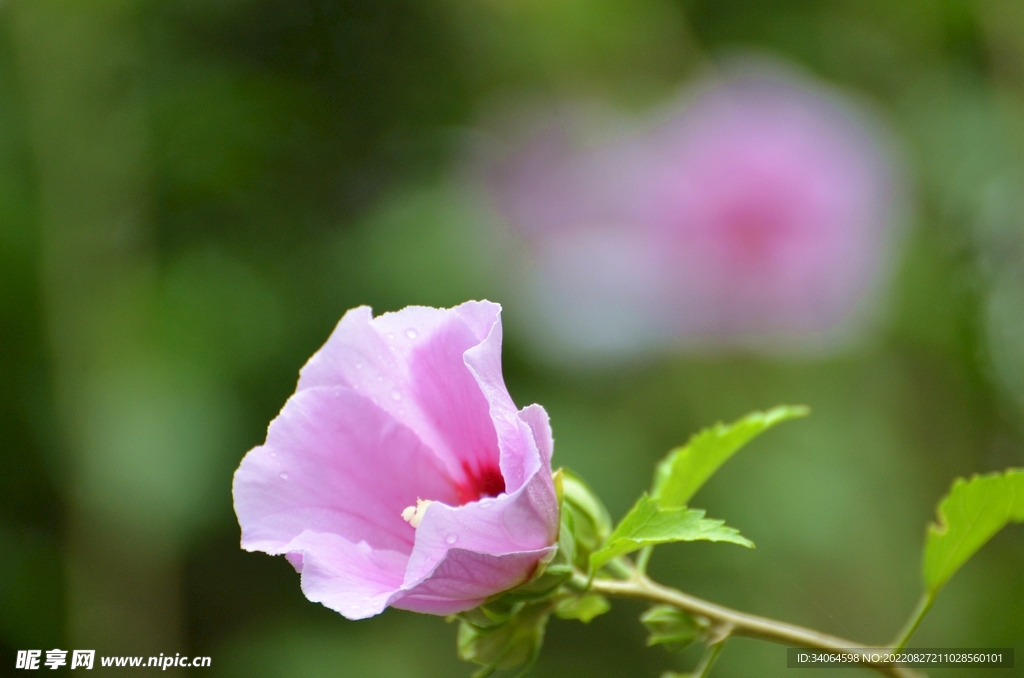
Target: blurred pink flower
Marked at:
400, 472
757, 214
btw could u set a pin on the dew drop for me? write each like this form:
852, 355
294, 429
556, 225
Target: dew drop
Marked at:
411, 333
284, 476
396, 395
359, 366
390, 335
451, 539
273, 454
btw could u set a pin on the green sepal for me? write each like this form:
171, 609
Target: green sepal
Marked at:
494, 613
584, 516
540, 587
503, 639
672, 628
584, 607
687, 468
567, 548
647, 524
971, 514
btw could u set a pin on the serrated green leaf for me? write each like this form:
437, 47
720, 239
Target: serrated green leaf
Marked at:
972, 512
687, 468
673, 628
647, 524
584, 607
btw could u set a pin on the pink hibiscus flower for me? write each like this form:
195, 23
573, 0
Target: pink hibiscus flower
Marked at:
757, 212
400, 473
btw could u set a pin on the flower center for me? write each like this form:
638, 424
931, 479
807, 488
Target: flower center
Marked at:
485, 481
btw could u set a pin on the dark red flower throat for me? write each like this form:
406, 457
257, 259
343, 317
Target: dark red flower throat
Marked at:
485, 481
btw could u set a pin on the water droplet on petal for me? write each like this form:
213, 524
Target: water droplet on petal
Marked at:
390, 335
411, 333
284, 476
359, 366
273, 454
396, 395
451, 539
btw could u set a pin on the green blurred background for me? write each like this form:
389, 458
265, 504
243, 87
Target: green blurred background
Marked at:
192, 193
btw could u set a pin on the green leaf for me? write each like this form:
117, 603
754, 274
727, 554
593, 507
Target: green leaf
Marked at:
503, 640
673, 628
647, 523
687, 468
972, 512
584, 607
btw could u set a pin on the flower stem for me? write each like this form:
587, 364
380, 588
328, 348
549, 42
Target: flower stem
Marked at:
622, 568
740, 623
703, 669
920, 611
643, 559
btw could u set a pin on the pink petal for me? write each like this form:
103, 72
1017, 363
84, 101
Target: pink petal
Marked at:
334, 463
518, 454
536, 417
350, 578
413, 363
526, 520
464, 579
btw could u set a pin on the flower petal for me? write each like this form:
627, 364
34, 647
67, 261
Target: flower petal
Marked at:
524, 521
351, 578
334, 463
536, 417
412, 363
464, 579
519, 456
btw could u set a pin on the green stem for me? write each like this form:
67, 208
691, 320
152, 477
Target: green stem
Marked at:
740, 623
703, 669
920, 611
621, 568
643, 559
